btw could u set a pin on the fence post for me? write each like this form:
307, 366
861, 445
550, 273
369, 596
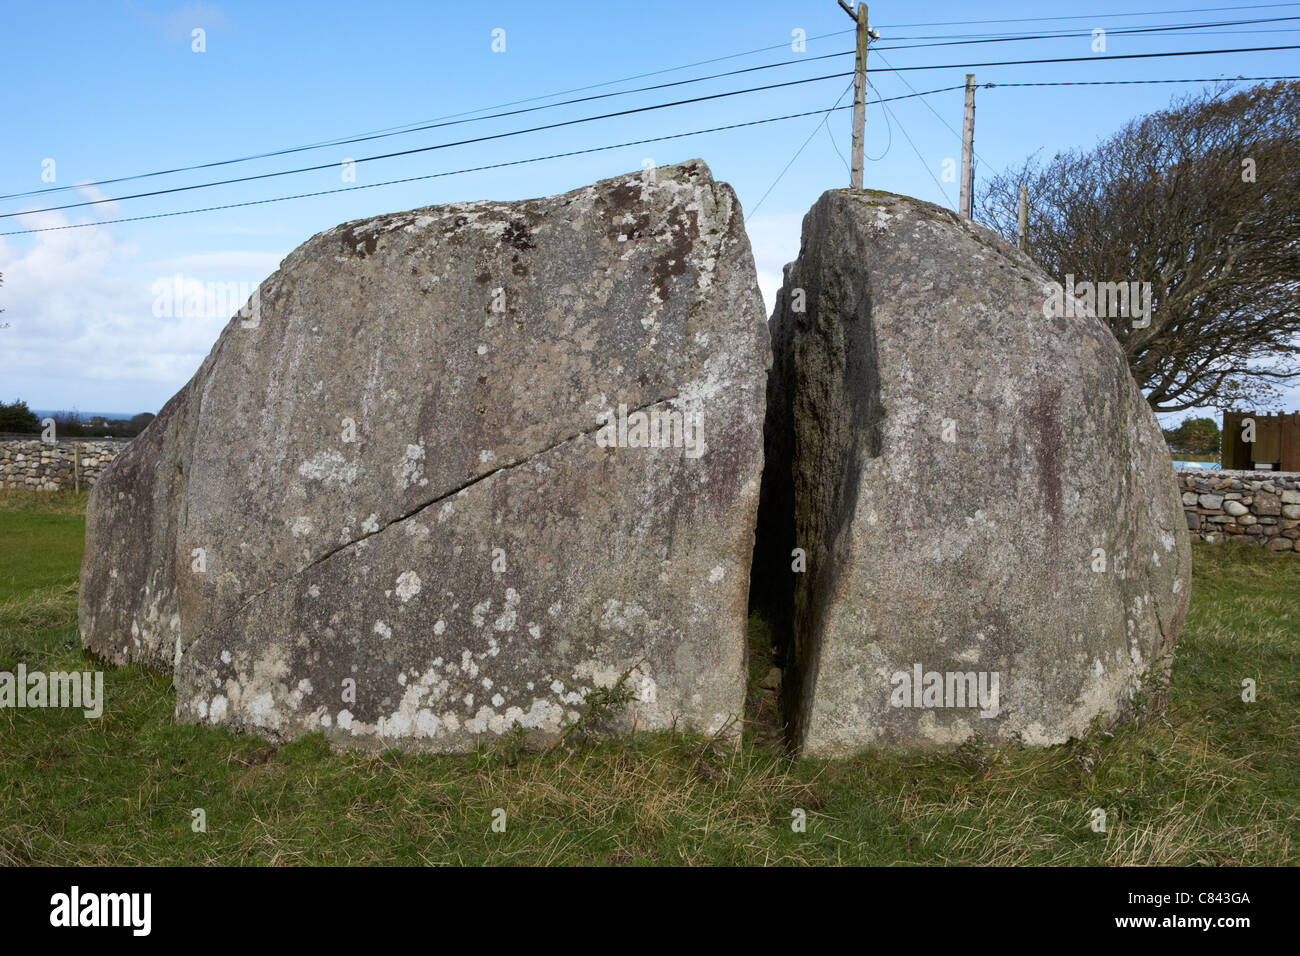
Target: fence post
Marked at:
1022, 219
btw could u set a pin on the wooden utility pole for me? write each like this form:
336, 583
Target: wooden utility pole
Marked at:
968, 148
1023, 219
859, 87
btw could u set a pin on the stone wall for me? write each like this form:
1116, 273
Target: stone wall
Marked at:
1261, 507
31, 463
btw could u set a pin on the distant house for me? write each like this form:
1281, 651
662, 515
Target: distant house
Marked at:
1276, 444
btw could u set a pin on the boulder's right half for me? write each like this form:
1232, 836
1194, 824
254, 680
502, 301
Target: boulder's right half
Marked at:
979, 495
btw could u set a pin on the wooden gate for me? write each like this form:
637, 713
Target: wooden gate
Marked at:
1277, 441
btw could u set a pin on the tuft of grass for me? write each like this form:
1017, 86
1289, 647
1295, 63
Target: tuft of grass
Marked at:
1206, 779
64, 503
54, 605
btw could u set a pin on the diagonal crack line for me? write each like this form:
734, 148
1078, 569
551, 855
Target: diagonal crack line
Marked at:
428, 504
470, 483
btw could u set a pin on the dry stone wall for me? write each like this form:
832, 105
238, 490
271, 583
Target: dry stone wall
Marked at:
34, 464
1260, 508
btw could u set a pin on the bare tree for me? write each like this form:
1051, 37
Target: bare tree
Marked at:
1202, 200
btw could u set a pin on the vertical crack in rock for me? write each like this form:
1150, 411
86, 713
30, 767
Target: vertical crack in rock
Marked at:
825, 377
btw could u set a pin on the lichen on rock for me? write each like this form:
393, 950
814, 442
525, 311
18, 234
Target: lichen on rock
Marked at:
382, 511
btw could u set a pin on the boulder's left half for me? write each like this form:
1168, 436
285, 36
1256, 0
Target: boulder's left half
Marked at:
452, 470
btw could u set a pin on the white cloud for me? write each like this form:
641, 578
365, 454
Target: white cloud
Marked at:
79, 305
103, 206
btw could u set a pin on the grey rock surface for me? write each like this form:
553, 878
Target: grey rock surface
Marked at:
387, 507
984, 497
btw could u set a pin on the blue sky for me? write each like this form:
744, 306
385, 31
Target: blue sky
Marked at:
110, 88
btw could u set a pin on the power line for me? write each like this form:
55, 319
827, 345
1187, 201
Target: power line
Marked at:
1076, 59
1211, 79
425, 149
910, 87
1058, 34
1089, 16
930, 106
836, 146
943, 192
913, 94
417, 129
889, 127
468, 117
593, 86
457, 172
632, 111
797, 152
1061, 35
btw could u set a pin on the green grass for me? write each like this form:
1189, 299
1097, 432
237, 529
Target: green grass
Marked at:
1209, 780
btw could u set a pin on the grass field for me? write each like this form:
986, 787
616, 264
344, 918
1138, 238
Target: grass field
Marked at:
1210, 780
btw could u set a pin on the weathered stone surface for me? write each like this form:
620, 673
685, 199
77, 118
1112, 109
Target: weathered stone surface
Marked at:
1267, 503
922, 351
475, 556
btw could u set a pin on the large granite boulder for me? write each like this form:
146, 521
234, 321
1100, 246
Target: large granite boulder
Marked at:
992, 529
452, 470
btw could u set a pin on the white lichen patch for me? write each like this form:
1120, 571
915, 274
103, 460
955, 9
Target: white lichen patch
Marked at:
467, 665
410, 468
329, 466
506, 620
623, 617
408, 585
